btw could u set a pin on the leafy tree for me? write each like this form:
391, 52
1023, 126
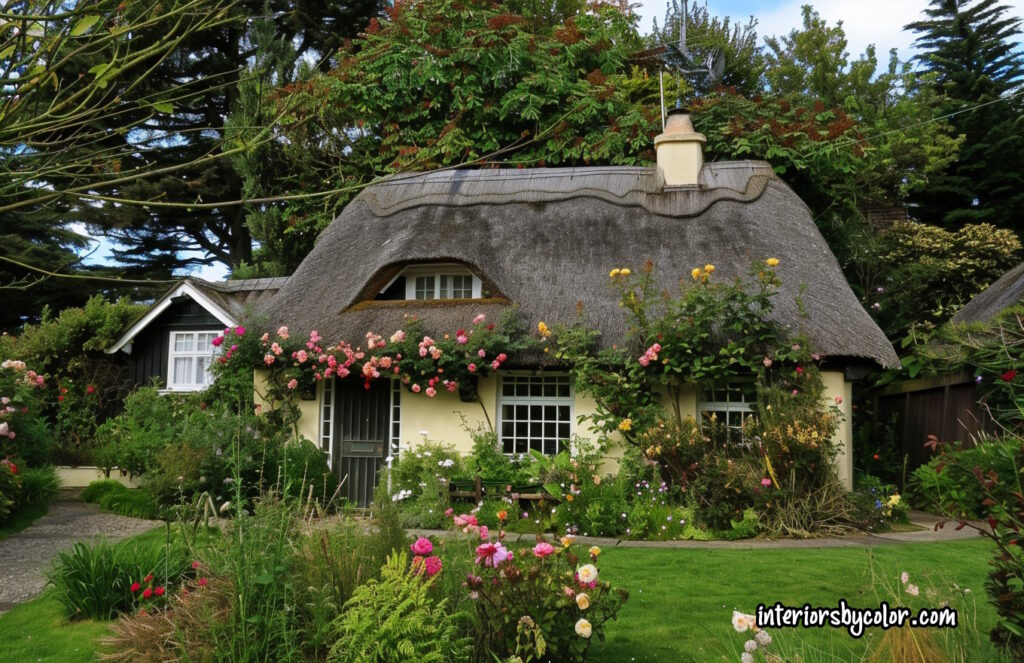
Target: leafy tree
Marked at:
441, 83
196, 216
744, 60
69, 75
969, 47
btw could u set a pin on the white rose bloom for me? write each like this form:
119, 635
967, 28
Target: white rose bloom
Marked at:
742, 622
583, 628
587, 573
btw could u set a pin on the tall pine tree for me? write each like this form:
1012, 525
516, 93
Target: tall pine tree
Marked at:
160, 238
968, 46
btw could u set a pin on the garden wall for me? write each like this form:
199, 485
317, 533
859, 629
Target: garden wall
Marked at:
83, 475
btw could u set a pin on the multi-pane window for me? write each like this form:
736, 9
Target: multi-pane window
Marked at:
729, 404
425, 287
190, 359
442, 282
535, 413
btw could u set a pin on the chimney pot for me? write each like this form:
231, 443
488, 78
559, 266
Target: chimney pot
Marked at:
680, 150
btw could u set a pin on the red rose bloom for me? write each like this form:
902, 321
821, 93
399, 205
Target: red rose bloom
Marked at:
159, 591
1009, 375
148, 578
135, 587
203, 582
147, 593
90, 389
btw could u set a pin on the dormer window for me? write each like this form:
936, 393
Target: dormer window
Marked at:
440, 281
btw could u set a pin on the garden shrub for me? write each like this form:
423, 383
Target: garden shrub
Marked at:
588, 503
101, 580
948, 483
420, 480
10, 489
396, 619
24, 434
39, 486
539, 603
131, 502
877, 504
133, 440
95, 491
487, 461
708, 335
85, 386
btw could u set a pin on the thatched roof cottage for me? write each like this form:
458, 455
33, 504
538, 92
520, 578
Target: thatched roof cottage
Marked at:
445, 246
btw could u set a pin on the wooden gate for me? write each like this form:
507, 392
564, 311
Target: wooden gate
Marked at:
360, 436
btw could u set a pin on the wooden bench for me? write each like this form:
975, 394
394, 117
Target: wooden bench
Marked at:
480, 489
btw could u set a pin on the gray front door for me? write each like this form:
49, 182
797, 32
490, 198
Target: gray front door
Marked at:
360, 436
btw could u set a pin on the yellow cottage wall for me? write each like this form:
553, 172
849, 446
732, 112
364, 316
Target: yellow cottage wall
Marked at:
445, 418
837, 386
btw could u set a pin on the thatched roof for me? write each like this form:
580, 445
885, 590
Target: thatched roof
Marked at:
545, 239
996, 298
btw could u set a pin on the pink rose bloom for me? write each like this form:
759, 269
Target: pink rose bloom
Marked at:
275, 348
217, 341
240, 331
449, 511
302, 356
293, 383
431, 392
472, 368
766, 482
451, 386
495, 364
465, 520
4, 428
644, 360
268, 359
484, 533
839, 400
265, 338
543, 549
314, 337
462, 339
282, 332
423, 351
569, 591
398, 336
503, 357
481, 353
416, 388
478, 319
422, 547
432, 566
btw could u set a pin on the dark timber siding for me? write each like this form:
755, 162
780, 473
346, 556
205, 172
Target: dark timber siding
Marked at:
152, 345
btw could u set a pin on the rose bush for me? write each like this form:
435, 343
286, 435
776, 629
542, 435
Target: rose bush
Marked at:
544, 602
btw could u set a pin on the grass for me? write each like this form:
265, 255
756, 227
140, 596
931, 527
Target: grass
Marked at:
22, 519
681, 601
39, 631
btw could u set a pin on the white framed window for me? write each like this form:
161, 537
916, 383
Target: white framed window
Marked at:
190, 359
730, 404
441, 282
535, 412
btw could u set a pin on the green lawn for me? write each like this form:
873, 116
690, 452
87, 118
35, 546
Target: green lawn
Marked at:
38, 631
681, 601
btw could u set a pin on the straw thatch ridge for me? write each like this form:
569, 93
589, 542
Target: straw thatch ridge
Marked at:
995, 299
239, 296
547, 238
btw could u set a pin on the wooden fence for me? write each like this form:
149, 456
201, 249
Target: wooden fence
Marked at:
945, 406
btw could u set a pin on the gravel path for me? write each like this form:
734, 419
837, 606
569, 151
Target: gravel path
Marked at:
26, 557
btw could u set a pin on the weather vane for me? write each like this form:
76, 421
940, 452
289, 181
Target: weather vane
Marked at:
706, 69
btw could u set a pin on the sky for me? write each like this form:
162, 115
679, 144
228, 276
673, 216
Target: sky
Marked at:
878, 22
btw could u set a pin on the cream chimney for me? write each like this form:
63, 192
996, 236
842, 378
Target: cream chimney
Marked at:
680, 150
